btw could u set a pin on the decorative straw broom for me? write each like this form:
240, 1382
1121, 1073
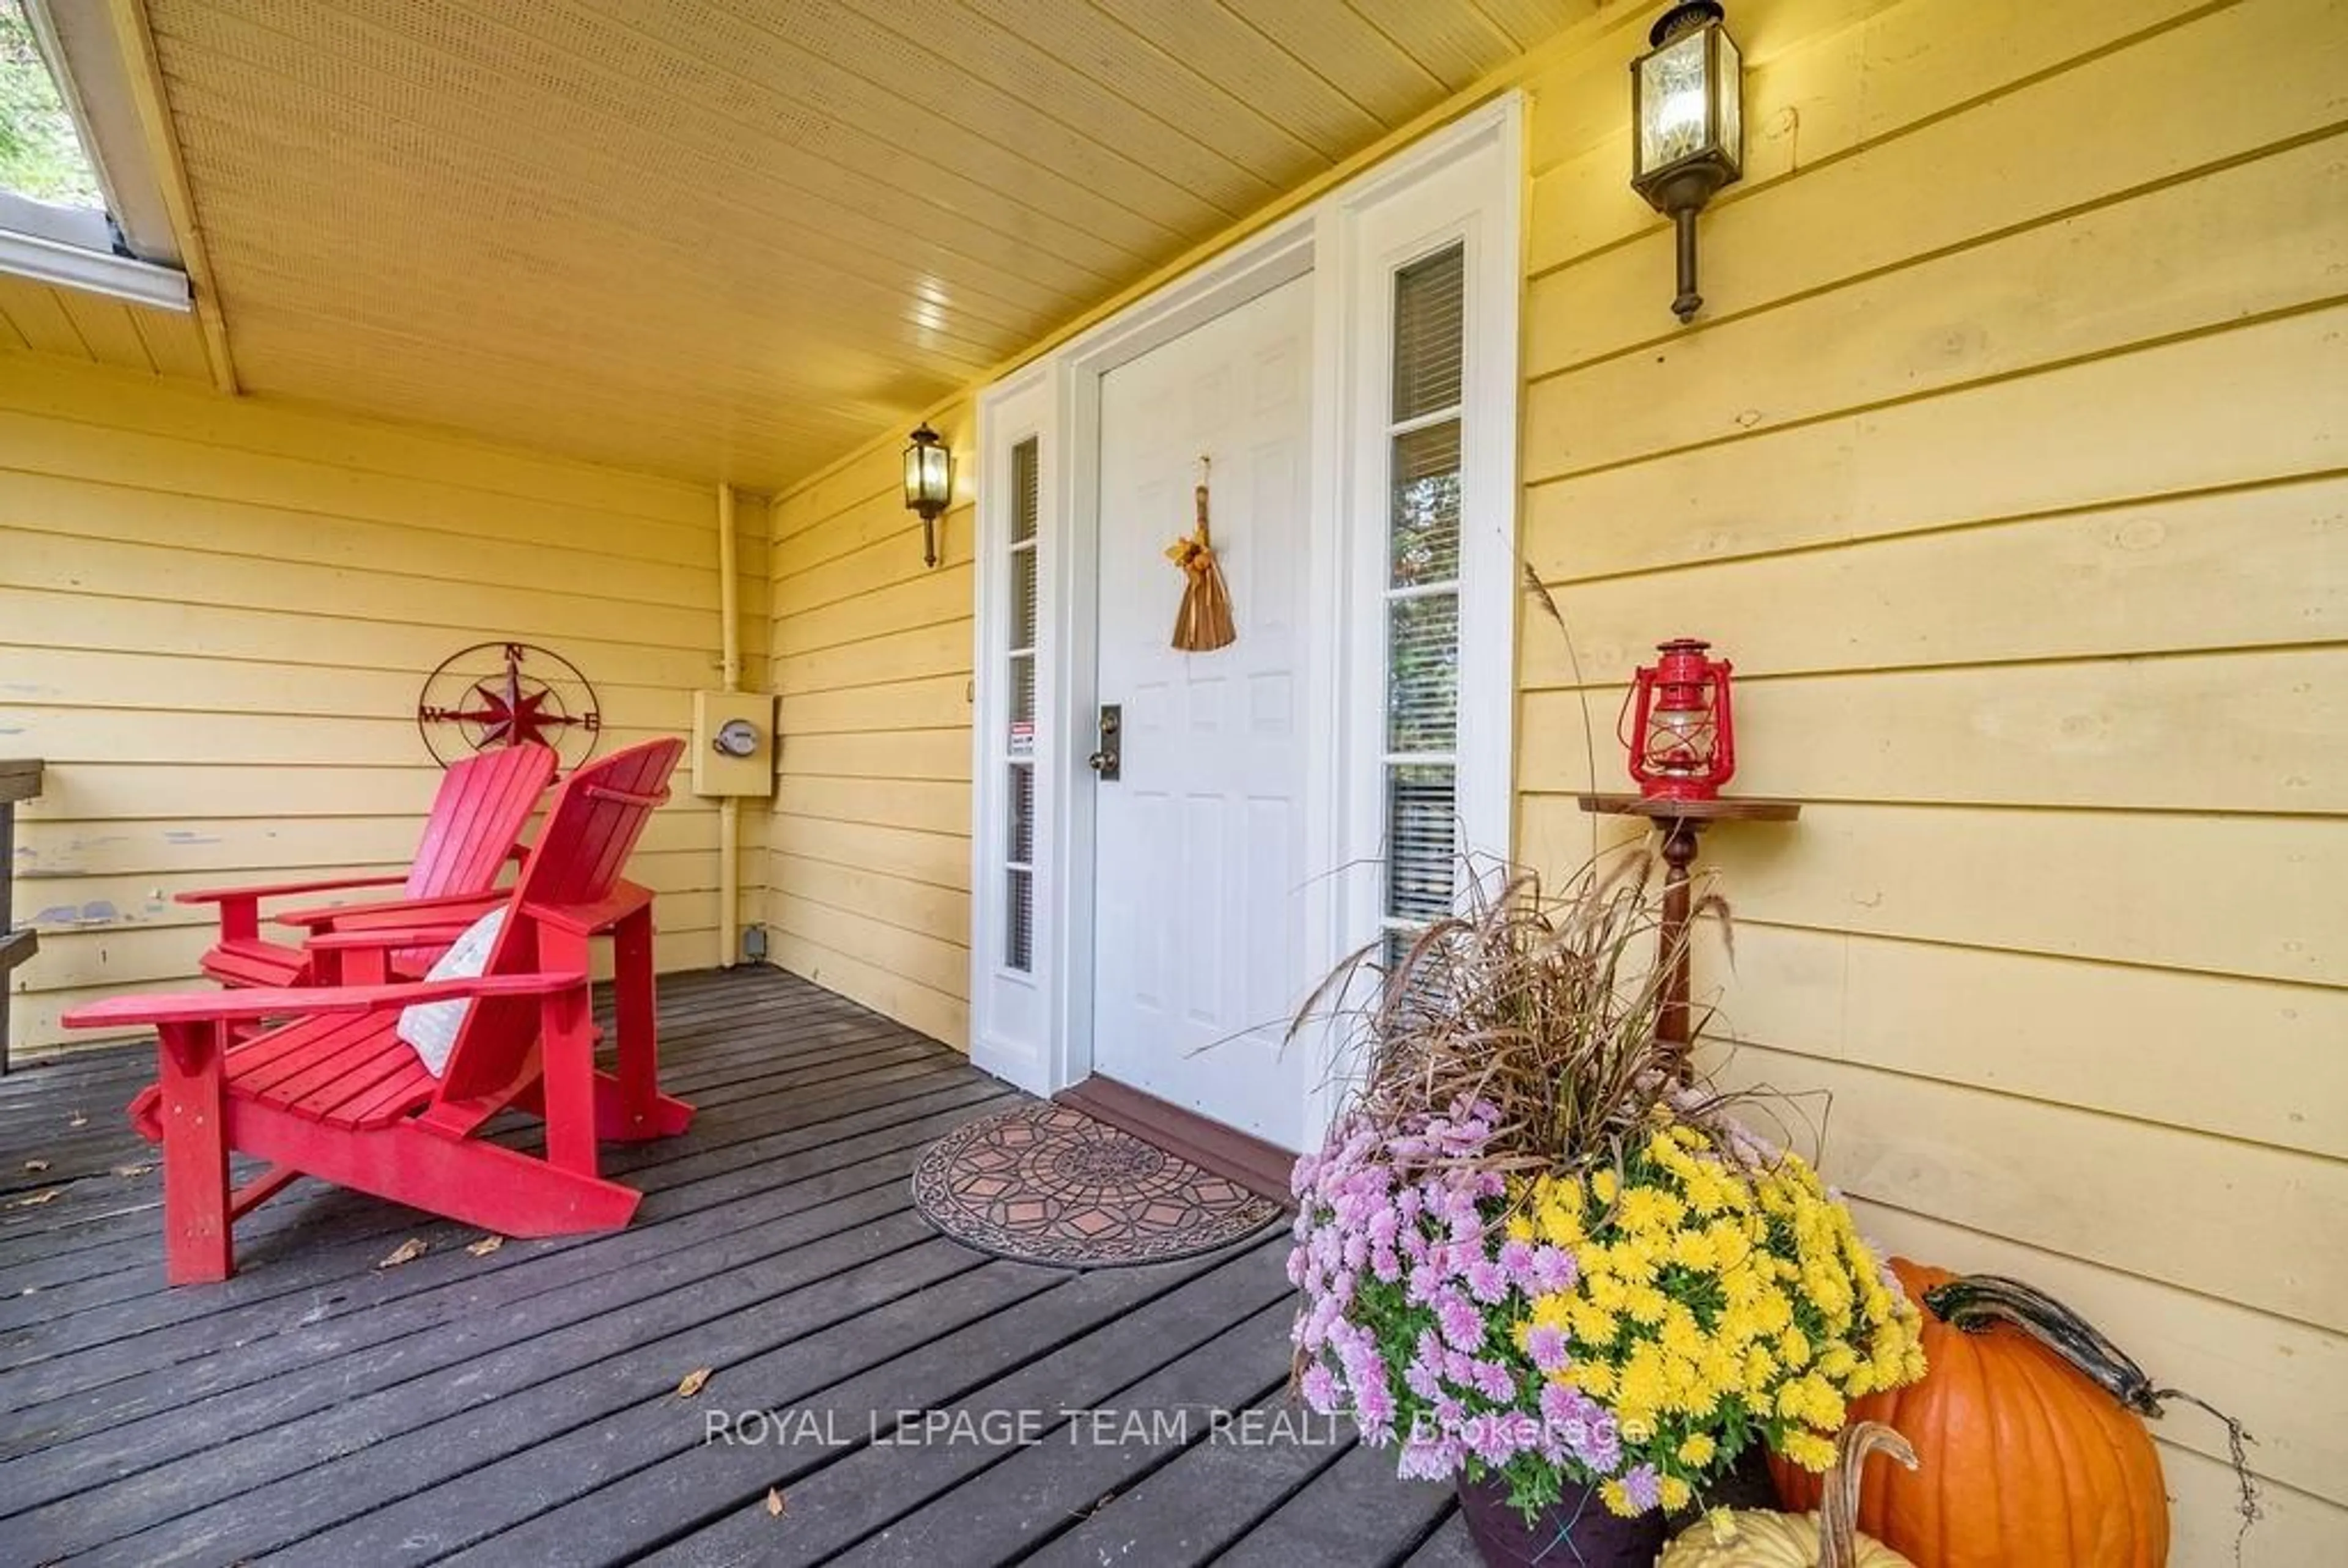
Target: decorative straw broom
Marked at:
1204, 622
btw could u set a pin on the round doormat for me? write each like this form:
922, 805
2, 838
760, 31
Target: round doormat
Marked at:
1047, 1183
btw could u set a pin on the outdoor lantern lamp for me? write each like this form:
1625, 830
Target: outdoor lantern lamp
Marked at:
1682, 734
929, 484
1687, 117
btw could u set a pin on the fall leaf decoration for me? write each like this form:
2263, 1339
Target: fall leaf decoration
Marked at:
1204, 622
37, 1199
692, 1382
408, 1251
37, 1166
486, 1246
775, 1506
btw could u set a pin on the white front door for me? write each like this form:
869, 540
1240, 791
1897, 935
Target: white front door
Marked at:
1200, 869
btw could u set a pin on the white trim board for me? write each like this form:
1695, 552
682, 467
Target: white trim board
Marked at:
27, 251
1462, 184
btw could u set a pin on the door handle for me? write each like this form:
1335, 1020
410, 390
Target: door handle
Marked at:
1106, 762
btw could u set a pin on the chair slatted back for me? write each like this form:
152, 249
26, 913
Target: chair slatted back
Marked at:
593, 825
477, 814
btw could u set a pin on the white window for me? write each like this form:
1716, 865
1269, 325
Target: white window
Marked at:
1421, 765
80, 203
1019, 683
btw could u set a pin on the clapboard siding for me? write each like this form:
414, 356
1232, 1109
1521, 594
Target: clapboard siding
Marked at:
2006, 460
215, 617
868, 871
2009, 460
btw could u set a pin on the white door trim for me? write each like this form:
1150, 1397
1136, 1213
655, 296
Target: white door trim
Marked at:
1465, 181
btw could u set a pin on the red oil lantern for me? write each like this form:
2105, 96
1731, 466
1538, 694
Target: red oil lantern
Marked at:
1681, 737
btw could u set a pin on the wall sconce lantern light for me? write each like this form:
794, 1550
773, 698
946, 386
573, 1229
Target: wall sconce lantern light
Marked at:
1687, 119
1680, 730
929, 484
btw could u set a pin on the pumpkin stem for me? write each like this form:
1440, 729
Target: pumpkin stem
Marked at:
1838, 1508
1978, 1301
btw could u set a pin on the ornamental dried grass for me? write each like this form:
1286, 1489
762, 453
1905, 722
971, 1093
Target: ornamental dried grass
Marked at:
1542, 1005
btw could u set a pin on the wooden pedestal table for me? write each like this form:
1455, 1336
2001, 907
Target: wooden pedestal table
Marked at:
1680, 821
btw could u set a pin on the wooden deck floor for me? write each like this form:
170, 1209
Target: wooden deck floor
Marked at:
518, 1407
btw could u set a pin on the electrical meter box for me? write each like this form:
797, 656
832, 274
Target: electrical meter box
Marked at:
733, 743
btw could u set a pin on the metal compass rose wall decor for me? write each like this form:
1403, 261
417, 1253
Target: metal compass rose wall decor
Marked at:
506, 694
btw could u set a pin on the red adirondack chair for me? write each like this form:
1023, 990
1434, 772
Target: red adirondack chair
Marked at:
334, 1094
476, 818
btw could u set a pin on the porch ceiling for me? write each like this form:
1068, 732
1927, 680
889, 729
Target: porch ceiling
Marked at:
735, 238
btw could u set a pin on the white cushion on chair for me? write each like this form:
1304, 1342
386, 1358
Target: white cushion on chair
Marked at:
430, 1028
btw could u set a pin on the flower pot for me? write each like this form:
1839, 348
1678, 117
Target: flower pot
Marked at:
1575, 1531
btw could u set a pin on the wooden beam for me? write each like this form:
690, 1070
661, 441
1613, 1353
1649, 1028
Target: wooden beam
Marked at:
145, 70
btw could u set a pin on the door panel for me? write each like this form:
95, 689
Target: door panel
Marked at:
1200, 870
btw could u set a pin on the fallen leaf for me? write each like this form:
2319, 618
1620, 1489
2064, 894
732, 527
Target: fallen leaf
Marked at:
691, 1383
775, 1506
79, 1119
409, 1251
34, 1200
37, 1166
132, 1169
486, 1246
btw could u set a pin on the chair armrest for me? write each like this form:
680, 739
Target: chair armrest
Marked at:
394, 911
228, 1007
371, 938
588, 920
283, 889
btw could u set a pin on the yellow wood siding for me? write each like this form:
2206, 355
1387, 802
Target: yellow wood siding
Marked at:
2007, 462
869, 873
214, 619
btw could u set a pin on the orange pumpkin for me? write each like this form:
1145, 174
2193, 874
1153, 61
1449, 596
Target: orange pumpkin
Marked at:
2029, 1426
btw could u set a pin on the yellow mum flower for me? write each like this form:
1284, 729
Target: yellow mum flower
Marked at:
1697, 1449
1652, 1210
1673, 1491
1520, 1228
1694, 1249
1603, 1186
1643, 1378
1681, 1334
1730, 1246
1616, 1500
1722, 1369
1593, 1324
1809, 1450
1595, 1378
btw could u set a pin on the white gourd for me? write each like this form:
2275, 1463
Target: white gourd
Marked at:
1754, 1538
